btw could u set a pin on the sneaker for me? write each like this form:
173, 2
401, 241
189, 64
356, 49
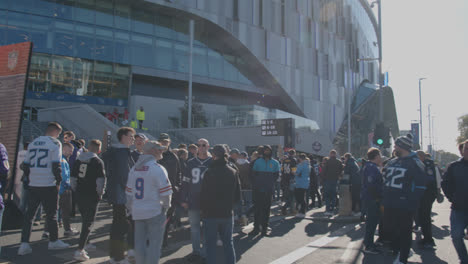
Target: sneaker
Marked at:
81, 255
59, 244
24, 249
300, 215
71, 232
371, 250
219, 243
328, 213
131, 254
90, 247
416, 229
265, 233
254, 232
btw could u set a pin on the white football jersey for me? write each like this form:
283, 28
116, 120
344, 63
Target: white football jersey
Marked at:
42, 152
146, 185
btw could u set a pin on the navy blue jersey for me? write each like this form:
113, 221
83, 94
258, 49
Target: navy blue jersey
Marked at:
192, 181
404, 183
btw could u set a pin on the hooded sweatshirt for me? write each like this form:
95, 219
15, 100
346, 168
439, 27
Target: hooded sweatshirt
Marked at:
88, 177
118, 161
302, 175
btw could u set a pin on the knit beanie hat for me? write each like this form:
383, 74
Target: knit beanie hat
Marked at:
405, 142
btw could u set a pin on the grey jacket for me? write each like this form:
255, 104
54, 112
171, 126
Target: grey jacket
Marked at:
118, 162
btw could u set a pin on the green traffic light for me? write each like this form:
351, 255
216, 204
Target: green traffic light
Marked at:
380, 141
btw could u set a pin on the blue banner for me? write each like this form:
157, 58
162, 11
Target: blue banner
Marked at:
415, 132
76, 98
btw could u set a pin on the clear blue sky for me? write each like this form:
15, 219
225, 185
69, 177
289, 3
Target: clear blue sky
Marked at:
428, 38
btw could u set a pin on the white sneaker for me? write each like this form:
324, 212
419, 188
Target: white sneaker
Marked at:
131, 254
24, 249
59, 244
219, 242
81, 255
71, 232
90, 247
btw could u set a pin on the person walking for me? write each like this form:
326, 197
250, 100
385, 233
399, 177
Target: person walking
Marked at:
404, 185
118, 162
140, 116
88, 180
149, 196
43, 174
302, 175
372, 184
264, 174
220, 191
455, 186
331, 172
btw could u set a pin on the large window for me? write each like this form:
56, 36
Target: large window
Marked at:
142, 50
61, 76
164, 54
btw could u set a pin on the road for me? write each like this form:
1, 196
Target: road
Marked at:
309, 240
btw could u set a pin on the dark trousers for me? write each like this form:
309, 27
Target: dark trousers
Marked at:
355, 198
88, 211
373, 218
119, 229
65, 204
140, 124
314, 192
300, 199
131, 233
262, 204
170, 219
398, 224
424, 212
48, 196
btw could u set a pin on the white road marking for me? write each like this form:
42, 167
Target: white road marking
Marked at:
314, 245
347, 256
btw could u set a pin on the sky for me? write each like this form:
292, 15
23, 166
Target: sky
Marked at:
427, 38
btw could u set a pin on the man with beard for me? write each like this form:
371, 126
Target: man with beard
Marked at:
404, 185
264, 174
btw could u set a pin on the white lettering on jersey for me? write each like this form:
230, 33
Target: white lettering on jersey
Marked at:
197, 175
394, 177
83, 168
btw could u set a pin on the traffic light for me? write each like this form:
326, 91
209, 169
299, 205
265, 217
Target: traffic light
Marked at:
381, 135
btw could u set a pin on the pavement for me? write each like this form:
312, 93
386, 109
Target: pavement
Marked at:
314, 239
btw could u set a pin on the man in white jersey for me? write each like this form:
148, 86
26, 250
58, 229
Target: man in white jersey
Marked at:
42, 170
148, 198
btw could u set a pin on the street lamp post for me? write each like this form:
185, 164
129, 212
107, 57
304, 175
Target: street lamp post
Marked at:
420, 113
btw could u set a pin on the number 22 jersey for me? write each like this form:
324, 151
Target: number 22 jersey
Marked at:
42, 153
192, 181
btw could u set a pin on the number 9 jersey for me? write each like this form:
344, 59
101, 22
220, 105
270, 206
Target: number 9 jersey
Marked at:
42, 153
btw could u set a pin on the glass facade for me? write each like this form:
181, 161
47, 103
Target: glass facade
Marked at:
86, 47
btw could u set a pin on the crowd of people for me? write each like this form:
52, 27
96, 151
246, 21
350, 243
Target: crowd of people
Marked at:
150, 185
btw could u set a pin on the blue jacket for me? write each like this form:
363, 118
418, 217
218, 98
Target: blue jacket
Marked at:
65, 183
302, 175
372, 182
404, 183
455, 184
265, 174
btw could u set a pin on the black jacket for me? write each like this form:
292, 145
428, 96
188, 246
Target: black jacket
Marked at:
220, 190
455, 184
170, 162
118, 162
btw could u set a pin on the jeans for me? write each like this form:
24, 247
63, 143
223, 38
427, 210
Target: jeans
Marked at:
289, 199
148, 239
399, 223
424, 212
65, 208
262, 203
373, 218
48, 196
458, 223
247, 196
119, 228
330, 194
88, 211
314, 192
1, 218
195, 232
223, 226
277, 187
300, 198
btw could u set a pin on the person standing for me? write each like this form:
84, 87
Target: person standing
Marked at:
288, 168
220, 191
455, 186
404, 185
43, 174
264, 174
88, 179
140, 140
191, 189
331, 172
118, 162
314, 185
372, 184
149, 196
302, 184
352, 169
65, 191
140, 116
246, 186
